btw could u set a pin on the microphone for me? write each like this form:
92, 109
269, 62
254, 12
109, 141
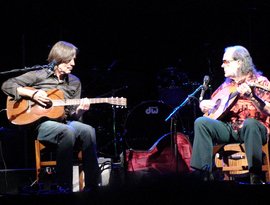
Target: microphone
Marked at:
52, 64
206, 80
112, 65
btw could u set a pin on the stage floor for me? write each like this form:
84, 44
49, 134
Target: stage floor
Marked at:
146, 187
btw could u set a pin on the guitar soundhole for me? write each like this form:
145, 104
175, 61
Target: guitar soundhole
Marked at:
48, 105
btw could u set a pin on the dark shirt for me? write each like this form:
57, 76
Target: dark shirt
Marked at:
46, 80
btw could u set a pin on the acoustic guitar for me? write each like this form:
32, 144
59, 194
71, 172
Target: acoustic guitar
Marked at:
225, 99
26, 111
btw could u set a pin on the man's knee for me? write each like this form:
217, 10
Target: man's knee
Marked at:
250, 123
201, 121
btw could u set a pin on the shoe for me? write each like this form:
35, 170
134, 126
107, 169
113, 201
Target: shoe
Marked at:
202, 175
255, 179
90, 189
63, 190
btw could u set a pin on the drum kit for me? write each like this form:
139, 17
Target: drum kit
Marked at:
147, 122
144, 124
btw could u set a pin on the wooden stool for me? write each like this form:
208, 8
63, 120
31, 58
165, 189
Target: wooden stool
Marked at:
231, 159
48, 163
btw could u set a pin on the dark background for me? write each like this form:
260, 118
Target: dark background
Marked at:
146, 51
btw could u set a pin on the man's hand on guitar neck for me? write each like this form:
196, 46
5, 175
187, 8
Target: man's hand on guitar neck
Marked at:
84, 106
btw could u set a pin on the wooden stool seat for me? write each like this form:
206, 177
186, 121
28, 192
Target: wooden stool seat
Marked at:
231, 159
48, 163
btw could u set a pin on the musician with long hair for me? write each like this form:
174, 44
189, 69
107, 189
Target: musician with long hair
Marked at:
238, 111
69, 130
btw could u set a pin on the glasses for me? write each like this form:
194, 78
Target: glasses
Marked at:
227, 61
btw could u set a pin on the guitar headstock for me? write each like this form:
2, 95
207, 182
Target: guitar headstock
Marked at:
118, 101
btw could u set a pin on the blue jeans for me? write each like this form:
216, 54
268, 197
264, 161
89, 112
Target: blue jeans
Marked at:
64, 136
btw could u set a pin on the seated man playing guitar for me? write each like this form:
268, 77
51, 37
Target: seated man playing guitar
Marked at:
238, 111
65, 129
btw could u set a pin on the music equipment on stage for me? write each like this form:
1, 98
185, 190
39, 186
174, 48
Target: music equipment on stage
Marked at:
26, 111
206, 80
145, 124
160, 158
225, 99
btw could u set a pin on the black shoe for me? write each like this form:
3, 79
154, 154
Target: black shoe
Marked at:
63, 190
91, 188
255, 179
202, 175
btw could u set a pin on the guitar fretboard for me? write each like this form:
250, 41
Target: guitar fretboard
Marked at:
115, 101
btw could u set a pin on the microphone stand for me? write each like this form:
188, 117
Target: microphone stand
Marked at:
174, 123
115, 139
36, 67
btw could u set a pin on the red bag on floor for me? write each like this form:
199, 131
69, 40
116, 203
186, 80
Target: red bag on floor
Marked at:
161, 156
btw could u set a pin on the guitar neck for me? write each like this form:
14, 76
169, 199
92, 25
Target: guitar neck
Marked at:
64, 102
259, 86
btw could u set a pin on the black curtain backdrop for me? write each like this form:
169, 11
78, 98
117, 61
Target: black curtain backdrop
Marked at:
142, 50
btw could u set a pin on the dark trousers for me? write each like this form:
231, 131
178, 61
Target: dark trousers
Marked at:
208, 131
65, 136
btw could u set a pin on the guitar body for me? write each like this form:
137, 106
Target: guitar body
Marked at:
26, 111
224, 100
